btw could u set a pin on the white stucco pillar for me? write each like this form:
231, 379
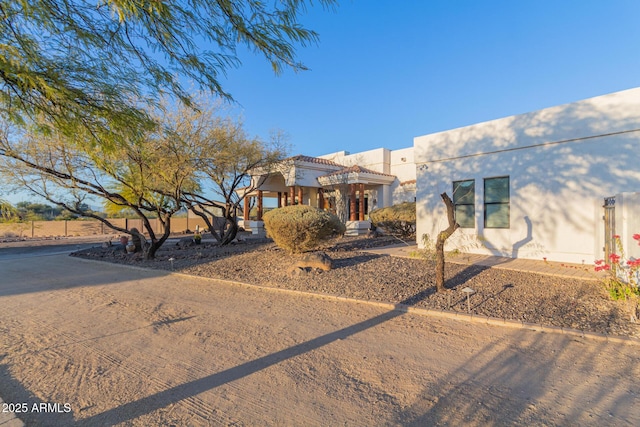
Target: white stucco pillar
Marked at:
385, 196
313, 197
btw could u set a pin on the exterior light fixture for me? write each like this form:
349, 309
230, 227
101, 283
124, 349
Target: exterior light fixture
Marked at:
469, 292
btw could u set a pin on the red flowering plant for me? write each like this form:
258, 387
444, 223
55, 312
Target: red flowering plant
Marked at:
624, 275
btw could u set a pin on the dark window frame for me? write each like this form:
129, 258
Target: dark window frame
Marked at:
506, 203
456, 202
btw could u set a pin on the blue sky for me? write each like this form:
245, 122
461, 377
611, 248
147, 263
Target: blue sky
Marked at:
386, 71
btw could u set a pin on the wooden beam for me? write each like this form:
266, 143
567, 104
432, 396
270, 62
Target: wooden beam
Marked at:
352, 202
361, 215
246, 212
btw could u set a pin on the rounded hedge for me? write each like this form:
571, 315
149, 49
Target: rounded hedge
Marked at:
398, 220
301, 228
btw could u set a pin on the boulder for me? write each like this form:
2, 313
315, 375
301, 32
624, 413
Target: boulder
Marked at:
185, 242
312, 260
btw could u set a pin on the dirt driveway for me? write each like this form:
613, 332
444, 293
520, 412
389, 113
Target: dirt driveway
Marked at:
101, 344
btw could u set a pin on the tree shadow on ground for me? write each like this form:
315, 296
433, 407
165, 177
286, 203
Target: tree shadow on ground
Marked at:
522, 380
361, 243
464, 276
453, 283
161, 399
360, 258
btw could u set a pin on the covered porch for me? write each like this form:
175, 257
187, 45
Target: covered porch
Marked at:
349, 192
359, 190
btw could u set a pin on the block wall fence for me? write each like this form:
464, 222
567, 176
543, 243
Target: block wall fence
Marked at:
33, 229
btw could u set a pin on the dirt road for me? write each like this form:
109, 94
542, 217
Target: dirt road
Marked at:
100, 344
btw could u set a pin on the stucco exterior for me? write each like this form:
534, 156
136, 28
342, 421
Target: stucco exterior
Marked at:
561, 163
350, 185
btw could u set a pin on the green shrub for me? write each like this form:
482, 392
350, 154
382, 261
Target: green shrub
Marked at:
301, 228
397, 220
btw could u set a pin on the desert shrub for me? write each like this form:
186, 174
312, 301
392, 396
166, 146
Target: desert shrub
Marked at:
398, 220
301, 228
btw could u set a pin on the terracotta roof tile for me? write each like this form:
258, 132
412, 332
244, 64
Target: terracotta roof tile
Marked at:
310, 159
355, 169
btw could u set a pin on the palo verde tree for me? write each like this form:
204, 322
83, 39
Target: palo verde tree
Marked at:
8, 212
222, 157
137, 176
82, 75
79, 63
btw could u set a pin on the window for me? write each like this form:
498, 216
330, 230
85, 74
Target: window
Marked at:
464, 199
496, 202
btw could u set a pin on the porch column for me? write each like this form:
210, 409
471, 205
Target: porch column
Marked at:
259, 205
286, 199
300, 195
292, 194
279, 199
352, 202
321, 198
246, 208
361, 216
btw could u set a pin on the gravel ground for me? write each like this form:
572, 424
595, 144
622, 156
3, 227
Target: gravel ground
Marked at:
528, 297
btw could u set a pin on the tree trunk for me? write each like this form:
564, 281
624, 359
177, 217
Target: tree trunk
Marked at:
152, 248
230, 232
442, 237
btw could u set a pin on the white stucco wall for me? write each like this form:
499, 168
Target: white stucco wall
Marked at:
377, 159
562, 162
393, 162
275, 182
306, 176
337, 157
402, 164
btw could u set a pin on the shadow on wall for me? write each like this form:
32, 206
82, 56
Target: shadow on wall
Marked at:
561, 163
528, 238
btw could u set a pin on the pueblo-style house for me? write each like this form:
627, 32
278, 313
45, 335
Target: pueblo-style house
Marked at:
557, 183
